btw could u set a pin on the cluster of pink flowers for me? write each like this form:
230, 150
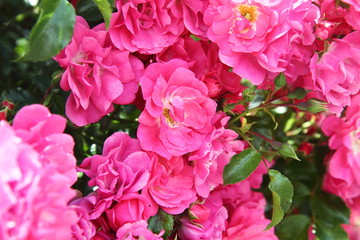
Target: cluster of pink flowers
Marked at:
37, 171
343, 175
257, 40
132, 184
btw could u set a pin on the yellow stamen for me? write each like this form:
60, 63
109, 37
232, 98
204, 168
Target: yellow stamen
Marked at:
248, 12
168, 118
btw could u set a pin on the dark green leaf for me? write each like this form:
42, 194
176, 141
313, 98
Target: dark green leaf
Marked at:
328, 232
52, 31
249, 94
330, 209
280, 80
88, 10
161, 221
105, 9
298, 93
287, 150
241, 166
282, 193
294, 227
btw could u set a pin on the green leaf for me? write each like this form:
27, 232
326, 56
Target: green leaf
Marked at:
280, 80
105, 9
328, 232
249, 94
52, 31
299, 94
330, 209
294, 227
161, 221
287, 150
241, 166
282, 193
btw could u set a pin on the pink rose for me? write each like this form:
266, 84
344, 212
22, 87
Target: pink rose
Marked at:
353, 229
178, 112
344, 164
335, 13
83, 229
260, 40
171, 184
193, 16
208, 220
248, 220
209, 161
353, 14
33, 194
335, 74
97, 74
189, 50
123, 168
204, 61
146, 26
324, 29
137, 230
35, 125
131, 207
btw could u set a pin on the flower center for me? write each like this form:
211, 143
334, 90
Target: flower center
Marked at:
248, 12
169, 120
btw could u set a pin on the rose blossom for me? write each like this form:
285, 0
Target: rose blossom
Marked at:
171, 184
353, 229
131, 207
203, 59
83, 229
336, 74
97, 74
137, 230
123, 168
335, 13
193, 16
178, 112
33, 192
261, 39
206, 220
146, 26
324, 29
248, 221
353, 14
209, 161
35, 125
343, 173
